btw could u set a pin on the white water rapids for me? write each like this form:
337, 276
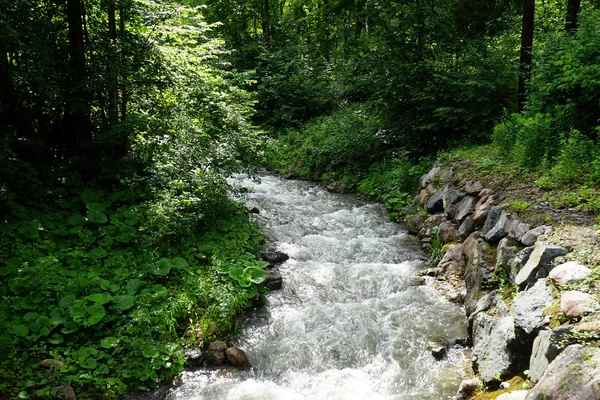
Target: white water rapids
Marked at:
347, 324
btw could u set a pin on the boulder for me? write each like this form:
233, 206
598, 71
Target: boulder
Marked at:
430, 176
424, 195
531, 236
435, 203
453, 261
473, 188
414, 223
483, 206
467, 387
438, 348
517, 263
505, 254
216, 352
65, 393
51, 364
544, 351
540, 258
274, 280
430, 223
574, 374
568, 273
587, 326
449, 198
238, 358
514, 395
493, 333
516, 229
275, 257
479, 271
529, 307
464, 208
466, 228
448, 232
575, 304
494, 228
335, 187
254, 210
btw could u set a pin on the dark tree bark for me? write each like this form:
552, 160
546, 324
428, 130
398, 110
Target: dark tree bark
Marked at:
573, 7
360, 25
124, 94
266, 23
8, 94
79, 125
526, 49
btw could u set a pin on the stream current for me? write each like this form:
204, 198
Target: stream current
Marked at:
348, 324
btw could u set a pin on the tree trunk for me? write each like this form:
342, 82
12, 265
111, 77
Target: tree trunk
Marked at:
526, 49
8, 93
573, 7
266, 23
112, 84
124, 94
360, 25
79, 125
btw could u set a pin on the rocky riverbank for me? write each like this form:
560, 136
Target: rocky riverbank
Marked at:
530, 292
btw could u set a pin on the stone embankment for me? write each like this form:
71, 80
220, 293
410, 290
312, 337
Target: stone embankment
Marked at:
531, 308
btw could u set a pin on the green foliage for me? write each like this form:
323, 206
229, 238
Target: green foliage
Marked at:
435, 248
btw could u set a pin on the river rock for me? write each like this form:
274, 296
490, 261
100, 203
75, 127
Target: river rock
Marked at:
336, 187
435, 203
275, 257
428, 178
493, 335
478, 272
437, 348
516, 229
544, 351
483, 206
238, 358
453, 261
448, 232
65, 393
517, 263
568, 273
473, 188
531, 236
430, 223
464, 208
467, 387
540, 257
51, 364
216, 352
495, 225
587, 326
414, 223
574, 374
504, 254
254, 210
575, 304
274, 280
424, 195
514, 395
466, 228
529, 307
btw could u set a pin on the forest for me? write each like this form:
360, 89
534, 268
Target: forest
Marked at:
120, 121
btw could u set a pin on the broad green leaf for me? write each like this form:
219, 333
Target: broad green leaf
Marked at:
57, 316
91, 196
160, 290
97, 217
85, 352
76, 219
77, 311
180, 262
98, 253
236, 273
99, 298
126, 302
70, 327
150, 352
89, 363
109, 342
106, 241
96, 312
126, 233
67, 301
96, 206
20, 330
30, 317
56, 339
162, 267
133, 285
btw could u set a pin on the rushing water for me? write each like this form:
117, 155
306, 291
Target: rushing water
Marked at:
347, 324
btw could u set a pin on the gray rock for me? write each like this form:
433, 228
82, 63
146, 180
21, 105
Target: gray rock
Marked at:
544, 351
429, 177
573, 375
466, 228
438, 348
66, 393
216, 352
464, 207
424, 195
274, 280
449, 198
518, 262
467, 387
495, 225
477, 272
516, 229
430, 223
448, 232
514, 395
483, 206
541, 257
529, 307
453, 262
505, 254
414, 223
335, 187
433, 272
473, 187
492, 338
274, 257
531, 236
575, 304
435, 203
569, 272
